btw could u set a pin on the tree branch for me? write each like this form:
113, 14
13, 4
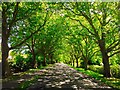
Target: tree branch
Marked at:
13, 47
94, 54
90, 22
114, 53
29, 47
66, 8
82, 25
112, 47
116, 49
14, 18
112, 43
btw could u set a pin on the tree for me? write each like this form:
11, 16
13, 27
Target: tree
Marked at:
32, 51
82, 46
88, 50
98, 20
12, 15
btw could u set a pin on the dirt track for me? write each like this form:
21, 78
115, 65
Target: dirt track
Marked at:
58, 76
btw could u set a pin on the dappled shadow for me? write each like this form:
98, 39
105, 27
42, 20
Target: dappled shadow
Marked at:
62, 76
59, 76
14, 82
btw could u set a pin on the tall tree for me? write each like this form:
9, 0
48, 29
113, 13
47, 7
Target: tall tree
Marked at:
97, 20
12, 14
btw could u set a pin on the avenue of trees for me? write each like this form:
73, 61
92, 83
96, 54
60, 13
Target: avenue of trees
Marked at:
78, 33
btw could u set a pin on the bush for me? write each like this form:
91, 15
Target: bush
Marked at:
96, 68
19, 64
115, 69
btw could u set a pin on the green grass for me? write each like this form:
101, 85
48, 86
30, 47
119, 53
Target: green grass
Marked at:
113, 82
115, 69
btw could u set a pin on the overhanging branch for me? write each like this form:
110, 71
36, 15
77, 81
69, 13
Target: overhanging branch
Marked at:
13, 47
114, 53
14, 18
112, 47
82, 25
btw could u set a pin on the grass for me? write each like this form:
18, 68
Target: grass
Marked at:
115, 69
113, 82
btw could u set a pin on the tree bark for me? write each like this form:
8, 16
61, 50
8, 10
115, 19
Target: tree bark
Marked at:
76, 61
5, 48
73, 63
106, 65
33, 53
51, 58
85, 63
44, 61
5, 64
105, 57
34, 60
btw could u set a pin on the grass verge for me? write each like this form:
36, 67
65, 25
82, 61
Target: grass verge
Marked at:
113, 82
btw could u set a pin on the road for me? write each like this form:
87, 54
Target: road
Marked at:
58, 76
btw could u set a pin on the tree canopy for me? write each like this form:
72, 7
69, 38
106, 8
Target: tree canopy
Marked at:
77, 33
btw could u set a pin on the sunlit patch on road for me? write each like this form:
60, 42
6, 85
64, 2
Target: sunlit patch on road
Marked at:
57, 76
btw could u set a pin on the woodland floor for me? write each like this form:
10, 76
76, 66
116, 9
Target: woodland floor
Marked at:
54, 77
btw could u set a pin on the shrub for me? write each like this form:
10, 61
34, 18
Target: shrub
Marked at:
115, 69
96, 68
19, 63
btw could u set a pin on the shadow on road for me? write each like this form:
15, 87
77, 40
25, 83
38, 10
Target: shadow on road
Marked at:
56, 77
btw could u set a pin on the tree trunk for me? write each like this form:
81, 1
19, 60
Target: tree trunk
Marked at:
57, 61
73, 63
106, 65
105, 58
5, 64
34, 61
44, 61
70, 61
5, 48
77, 62
85, 63
5, 52
34, 64
51, 58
